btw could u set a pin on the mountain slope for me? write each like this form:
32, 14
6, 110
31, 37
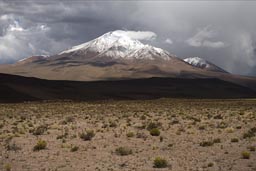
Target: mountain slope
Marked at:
116, 56
18, 89
203, 64
113, 55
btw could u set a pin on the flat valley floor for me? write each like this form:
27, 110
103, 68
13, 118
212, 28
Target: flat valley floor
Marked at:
187, 135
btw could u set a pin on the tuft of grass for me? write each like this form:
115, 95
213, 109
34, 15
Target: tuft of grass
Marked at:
155, 132
130, 134
251, 148
246, 155
88, 135
75, 148
160, 163
153, 125
12, 147
40, 130
8, 167
210, 164
206, 143
123, 151
250, 133
41, 144
234, 140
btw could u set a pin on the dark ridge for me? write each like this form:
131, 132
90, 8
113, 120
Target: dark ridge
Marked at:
18, 89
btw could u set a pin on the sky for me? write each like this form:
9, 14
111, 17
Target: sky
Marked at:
223, 32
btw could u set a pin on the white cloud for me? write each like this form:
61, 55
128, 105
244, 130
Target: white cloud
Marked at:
246, 47
138, 35
168, 41
18, 42
202, 39
15, 27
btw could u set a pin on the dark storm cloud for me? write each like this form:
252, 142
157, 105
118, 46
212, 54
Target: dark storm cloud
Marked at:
222, 32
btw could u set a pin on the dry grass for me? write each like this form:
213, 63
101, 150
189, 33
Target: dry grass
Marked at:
194, 135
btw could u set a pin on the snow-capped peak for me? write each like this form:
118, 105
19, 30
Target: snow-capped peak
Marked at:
35, 57
106, 41
118, 44
198, 62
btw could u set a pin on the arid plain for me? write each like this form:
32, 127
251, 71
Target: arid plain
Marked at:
160, 134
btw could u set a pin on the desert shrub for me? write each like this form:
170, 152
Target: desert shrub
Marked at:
75, 148
88, 135
233, 140
153, 125
67, 120
123, 151
160, 162
216, 140
39, 130
170, 145
219, 116
41, 144
8, 167
250, 133
194, 119
206, 143
62, 136
112, 124
202, 127
222, 125
30, 124
251, 148
246, 155
161, 139
12, 147
210, 164
141, 135
143, 117
154, 132
130, 134
230, 130
175, 121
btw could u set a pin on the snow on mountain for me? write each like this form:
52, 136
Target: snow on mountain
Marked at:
203, 64
197, 62
32, 59
118, 44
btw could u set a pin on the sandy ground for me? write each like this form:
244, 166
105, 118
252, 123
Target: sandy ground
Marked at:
195, 135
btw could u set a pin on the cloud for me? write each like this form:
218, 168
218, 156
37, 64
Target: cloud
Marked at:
168, 41
72, 23
202, 39
138, 35
18, 42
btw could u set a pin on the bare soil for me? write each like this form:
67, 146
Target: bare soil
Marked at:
195, 135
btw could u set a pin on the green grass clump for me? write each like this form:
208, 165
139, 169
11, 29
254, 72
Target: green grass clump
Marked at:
160, 162
75, 148
130, 134
88, 135
246, 155
123, 151
8, 167
41, 144
154, 132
